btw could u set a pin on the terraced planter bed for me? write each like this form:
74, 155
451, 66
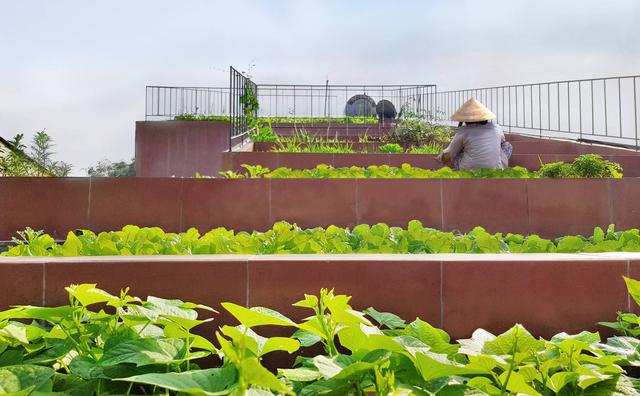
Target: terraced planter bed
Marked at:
233, 160
458, 294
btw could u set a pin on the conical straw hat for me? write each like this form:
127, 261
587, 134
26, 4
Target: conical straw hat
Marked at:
472, 111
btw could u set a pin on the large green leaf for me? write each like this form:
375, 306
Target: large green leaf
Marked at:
195, 382
516, 383
561, 379
434, 366
88, 294
142, 351
24, 378
437, 339
618, 386
300, 374
257, 316
633, 287
386, 318
256, 375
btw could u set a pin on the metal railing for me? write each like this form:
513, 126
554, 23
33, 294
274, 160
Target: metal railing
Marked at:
336, 101
241, 90
165, 103
603, 110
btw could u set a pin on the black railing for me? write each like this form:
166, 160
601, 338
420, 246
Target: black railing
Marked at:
336, 101
165, 103
242, 106
603, 110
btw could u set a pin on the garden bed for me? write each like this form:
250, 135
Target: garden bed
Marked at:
459, 293
233, 160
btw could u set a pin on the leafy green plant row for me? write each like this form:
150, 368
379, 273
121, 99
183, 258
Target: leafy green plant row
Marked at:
318, 120
405, 171
104, 344
279, 120
285, 238
319, 148
200, 117
585, 166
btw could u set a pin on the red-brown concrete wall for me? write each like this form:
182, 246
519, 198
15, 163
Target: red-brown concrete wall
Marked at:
548, 293
180, 148
546, 207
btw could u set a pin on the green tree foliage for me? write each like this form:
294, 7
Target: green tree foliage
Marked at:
106, 168
34, 160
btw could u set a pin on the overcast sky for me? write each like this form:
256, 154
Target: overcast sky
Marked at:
78, 68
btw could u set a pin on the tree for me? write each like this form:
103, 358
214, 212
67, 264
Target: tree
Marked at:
17, 142
41, 150
106, 168
36, 161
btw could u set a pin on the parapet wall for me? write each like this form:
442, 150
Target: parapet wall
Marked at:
180, 148
548, 207
546, 293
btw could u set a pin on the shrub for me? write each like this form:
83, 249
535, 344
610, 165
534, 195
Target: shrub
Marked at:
594, 166
417, 131
584, 166
391, 148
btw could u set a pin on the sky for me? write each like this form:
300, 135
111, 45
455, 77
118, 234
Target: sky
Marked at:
79, 68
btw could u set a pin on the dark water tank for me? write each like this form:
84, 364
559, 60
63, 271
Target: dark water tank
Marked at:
360, 106
386, 110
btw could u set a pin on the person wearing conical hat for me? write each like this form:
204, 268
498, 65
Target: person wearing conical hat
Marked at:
479, 143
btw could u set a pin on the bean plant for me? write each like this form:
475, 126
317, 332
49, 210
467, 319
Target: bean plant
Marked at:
105, 344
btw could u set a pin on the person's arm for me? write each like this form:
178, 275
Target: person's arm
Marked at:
454, 148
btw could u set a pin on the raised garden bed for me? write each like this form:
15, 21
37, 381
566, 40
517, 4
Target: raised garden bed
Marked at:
156, 344
459, 293
233, 160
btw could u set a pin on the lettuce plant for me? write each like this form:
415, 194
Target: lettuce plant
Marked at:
285, 238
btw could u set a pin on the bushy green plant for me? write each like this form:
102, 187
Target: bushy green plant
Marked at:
418, 131
250, 106
263, 134
147, 347
391, 148
324, 148
584, 166
594, 166
285, 238
426, 149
